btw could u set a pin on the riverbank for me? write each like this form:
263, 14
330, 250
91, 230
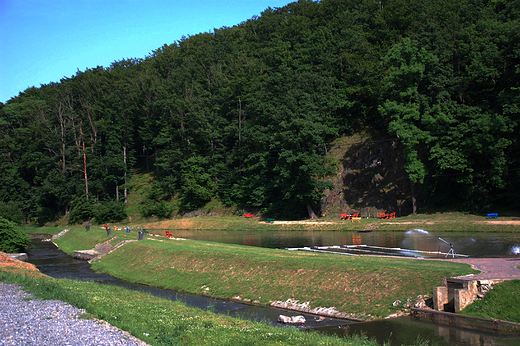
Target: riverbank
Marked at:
341, 286
438, 222
444, 222
154, 320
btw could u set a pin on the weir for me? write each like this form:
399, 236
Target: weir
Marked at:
375, 251
456, 293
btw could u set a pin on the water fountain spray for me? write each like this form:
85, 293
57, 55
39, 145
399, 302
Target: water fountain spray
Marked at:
451, 248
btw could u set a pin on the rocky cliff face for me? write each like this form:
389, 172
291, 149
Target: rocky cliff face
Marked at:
370, 178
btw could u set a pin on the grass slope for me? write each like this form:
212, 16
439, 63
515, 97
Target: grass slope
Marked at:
78, 239
502, 303
366, 287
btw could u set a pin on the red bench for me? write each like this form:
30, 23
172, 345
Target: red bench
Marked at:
348, 216
387, 216
249, 216
167, 234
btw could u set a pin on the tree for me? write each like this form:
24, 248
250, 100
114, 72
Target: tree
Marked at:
405, 66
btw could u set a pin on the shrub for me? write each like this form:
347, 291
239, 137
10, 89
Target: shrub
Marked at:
12, 239
81, 211
160, 209
111, 211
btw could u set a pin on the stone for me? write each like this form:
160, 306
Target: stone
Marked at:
299, 319
85, 255
396, 303
18, 256
420, 304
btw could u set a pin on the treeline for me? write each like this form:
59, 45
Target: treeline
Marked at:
245, 115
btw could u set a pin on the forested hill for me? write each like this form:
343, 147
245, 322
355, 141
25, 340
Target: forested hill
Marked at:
247, 115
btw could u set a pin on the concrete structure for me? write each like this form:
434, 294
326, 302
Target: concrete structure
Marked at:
497, 327
85, 255
457, 293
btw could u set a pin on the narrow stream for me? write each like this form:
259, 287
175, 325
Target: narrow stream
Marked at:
54, 262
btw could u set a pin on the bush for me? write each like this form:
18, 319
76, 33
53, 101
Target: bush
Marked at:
81, 211
112, 211
12, 239
160, 209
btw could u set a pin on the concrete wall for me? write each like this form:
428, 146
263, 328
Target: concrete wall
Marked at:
455, 294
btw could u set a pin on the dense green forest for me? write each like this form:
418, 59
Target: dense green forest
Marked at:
246, 115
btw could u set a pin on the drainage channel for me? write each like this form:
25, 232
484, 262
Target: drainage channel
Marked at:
55, 263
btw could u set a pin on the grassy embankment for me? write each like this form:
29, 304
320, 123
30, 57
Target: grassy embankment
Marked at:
162, 322
450, 222
442, 222
366, 287
501, 303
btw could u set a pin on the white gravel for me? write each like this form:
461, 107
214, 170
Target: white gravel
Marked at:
51, 322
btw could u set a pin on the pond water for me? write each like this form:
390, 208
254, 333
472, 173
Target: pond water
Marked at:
404, 330
476, 244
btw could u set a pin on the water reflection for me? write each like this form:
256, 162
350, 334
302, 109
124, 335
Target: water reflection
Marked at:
472, 244
406, 330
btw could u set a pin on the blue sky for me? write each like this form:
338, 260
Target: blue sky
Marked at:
42, 41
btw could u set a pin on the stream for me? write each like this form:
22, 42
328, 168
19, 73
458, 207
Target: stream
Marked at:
404, 330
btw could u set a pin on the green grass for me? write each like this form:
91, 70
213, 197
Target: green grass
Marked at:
79, 239
365, 287
449, 221
162, 322
502, 303
47, 230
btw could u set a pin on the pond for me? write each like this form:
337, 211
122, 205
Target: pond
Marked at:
476, 244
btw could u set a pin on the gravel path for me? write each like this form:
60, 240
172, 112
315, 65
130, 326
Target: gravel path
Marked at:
51, 322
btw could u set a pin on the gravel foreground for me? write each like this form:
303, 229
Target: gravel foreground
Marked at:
52, 322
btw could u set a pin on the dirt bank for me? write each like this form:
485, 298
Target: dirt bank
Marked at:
496, 222
6, 261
